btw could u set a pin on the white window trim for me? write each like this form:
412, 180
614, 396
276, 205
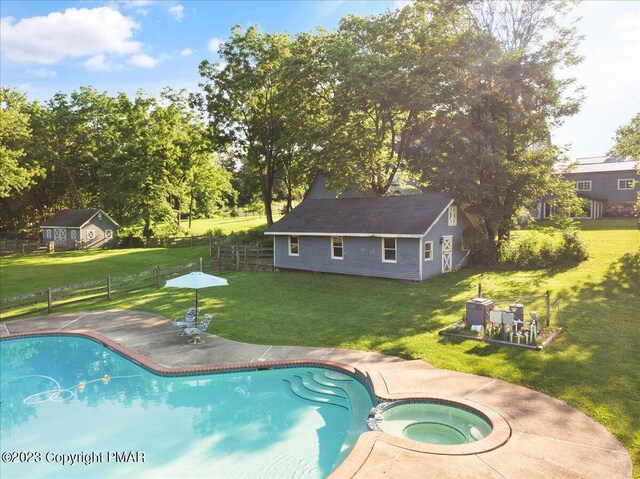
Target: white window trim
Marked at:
290, 253
395, 249
425, 251
108, 234
633, 183
333, 247
91, 234
74, 234
48, 232
586, 183
453, 215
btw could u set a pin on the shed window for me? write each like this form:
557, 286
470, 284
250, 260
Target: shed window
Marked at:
583, 185
453, 215
626, 184
428, 250
389, 250
99, 216
91, 234
337, 251
73, 234
294, 245
48, 233
108, 234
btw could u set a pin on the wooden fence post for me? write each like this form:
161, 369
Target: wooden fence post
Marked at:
108, 287
237, 257
548, 301
479, 290
49, 299
157, 276
201, 266
210, 245
191, 240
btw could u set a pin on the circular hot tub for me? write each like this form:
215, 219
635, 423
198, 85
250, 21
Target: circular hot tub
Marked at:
432, 422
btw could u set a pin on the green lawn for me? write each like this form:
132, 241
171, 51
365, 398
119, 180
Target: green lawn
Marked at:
226, 224
594, 365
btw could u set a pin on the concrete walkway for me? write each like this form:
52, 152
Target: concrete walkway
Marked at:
548, 437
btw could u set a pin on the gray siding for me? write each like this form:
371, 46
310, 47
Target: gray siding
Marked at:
99, 226
438, 230
362, 256
604, 185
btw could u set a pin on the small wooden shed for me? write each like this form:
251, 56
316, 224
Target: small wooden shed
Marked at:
80, 229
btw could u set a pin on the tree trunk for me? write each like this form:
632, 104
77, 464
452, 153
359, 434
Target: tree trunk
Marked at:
190, 208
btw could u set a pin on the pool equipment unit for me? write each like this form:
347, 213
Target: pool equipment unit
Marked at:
477, 313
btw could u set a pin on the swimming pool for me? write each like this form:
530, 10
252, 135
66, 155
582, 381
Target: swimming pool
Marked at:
69, 398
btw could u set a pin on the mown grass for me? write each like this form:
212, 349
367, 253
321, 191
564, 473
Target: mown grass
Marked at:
226, 224
594, 365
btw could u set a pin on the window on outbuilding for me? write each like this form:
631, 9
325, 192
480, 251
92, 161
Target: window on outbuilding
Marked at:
91, 234
583, 185
73, 234
626, 184
428, 250
453, 215
108, 234
337, 250
389, 250
294, 245
48, 233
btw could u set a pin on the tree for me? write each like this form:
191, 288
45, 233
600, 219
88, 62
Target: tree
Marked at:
17, 173
247, 97
628, 140
491, 146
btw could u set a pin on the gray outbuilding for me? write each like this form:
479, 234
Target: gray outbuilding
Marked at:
80, 229
410, 237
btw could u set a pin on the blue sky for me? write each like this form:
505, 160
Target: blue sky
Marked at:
50, 46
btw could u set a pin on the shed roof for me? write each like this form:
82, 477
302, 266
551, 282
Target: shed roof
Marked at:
74, 218
402, 215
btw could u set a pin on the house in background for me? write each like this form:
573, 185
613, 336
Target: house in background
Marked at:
410, 237
609, 186
80, 228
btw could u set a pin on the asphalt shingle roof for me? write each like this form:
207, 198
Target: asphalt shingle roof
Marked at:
392, 215
73, 218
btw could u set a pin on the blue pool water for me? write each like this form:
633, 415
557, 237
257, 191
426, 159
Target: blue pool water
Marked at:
67, 398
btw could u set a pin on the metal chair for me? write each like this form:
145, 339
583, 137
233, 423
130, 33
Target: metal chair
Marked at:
197, 330
189, 321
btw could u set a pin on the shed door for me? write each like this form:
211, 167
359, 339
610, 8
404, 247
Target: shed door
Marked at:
447, 253
60, 235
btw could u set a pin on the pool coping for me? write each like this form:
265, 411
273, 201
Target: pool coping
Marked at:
579, 446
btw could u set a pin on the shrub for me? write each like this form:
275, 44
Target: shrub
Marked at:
536, 251
572, 248
130, 240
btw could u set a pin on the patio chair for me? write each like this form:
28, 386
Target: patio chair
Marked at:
197, 330
189, 321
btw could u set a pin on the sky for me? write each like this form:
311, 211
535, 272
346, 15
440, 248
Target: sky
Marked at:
51, 46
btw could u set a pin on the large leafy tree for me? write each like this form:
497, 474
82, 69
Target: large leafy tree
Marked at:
17, 169
491, 146
628, 140
380, 78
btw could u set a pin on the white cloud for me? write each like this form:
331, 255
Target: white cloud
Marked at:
400, 4
98, 63
176, 11
76, 32
214, 44
187, 52
142, 60
43, 73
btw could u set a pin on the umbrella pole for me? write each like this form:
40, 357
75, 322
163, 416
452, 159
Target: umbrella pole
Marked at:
196, 304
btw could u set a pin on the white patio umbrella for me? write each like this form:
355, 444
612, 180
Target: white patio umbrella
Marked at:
196, 280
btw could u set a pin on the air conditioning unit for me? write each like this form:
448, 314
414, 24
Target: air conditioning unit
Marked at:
478, 312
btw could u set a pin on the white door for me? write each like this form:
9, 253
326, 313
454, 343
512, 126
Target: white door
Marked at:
447, 253
60, 235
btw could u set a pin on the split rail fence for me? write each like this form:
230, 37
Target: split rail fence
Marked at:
47, 300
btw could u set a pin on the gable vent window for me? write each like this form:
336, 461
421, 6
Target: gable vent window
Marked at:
453, 215
337, 250
91, 234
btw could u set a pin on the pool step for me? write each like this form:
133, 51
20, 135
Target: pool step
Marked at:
321, 378
299, 389
310, 382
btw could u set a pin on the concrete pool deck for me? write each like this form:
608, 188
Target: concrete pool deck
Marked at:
548, 438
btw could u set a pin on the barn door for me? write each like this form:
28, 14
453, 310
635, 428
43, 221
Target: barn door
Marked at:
59, 235
447, 253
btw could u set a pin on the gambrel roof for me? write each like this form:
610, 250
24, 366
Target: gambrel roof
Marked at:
401, 215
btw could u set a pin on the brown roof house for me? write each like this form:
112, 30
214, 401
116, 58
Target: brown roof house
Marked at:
80, 229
